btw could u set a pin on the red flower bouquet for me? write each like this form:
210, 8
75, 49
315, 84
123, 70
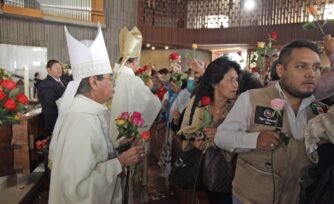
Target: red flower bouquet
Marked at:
11, 101
143, 74
277, 105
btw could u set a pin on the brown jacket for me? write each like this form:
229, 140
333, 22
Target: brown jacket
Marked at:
257, 171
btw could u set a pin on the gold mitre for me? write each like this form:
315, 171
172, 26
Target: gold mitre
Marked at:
130, 43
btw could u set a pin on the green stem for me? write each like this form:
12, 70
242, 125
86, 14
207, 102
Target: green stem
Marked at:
320, 27
272, 167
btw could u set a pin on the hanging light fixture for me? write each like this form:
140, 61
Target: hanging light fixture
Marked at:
249, 4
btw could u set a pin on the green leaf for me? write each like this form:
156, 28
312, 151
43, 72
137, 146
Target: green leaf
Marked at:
269, 46
20, 107
310, 26
13, 92
284, 138
189, 56
253, 60
179, 83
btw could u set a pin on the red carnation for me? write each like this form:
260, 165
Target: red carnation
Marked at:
205, 101
8, 84
10, 104
2, 95
21, 98
274, 35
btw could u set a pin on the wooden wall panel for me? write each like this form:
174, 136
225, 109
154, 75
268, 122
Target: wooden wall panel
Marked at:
195, 12
242, 35
31, 32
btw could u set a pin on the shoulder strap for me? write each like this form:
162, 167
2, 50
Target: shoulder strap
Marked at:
193, 108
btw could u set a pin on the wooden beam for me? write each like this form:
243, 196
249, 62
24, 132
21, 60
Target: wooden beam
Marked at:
98, 11
35, 13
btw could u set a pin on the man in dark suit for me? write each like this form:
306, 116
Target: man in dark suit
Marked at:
49, 91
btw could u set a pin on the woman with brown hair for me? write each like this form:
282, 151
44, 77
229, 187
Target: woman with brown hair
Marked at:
217, 91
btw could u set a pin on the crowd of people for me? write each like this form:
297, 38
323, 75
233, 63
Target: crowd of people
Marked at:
224, 135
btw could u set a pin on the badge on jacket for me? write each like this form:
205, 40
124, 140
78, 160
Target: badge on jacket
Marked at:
265, 116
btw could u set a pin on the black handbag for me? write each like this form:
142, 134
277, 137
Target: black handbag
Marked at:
218, 173
186, 169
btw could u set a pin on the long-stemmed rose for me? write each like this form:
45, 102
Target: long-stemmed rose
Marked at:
313, 11
277, 105
207, 117
274, 35
263, 49
145, 136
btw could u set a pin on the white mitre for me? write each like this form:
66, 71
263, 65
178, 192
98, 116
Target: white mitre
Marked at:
88, 58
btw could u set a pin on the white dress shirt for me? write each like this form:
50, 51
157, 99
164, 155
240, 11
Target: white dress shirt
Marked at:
232, 134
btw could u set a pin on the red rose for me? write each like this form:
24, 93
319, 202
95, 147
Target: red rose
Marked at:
254, 69
205, 101
45, 142
273, 35
139, 71
8, 84
39, 145
145, 135
10, 104
147, 68
2, 95
21, 98
174, 56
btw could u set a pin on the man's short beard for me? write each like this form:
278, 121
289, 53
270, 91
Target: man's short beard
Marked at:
293, 91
